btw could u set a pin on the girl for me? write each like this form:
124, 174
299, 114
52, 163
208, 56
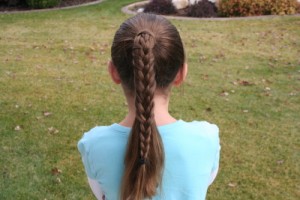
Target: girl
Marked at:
150, 154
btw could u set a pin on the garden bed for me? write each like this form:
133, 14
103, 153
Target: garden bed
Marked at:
184, 13
24, 7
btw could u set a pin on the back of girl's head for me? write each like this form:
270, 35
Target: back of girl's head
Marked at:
167, 50
147, 52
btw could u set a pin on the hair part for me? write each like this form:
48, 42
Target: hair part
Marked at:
148, 52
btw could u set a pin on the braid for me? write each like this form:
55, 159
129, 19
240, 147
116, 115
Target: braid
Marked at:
145, 86
144, 157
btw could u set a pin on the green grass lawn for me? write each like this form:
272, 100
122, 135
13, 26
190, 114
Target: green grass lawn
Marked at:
244, 75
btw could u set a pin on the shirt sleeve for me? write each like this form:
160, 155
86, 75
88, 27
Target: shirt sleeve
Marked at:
215, 167
88, 166
96, 188
217, 160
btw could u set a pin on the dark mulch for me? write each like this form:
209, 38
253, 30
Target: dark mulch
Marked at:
24, 7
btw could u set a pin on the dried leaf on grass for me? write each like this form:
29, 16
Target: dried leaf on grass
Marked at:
202, 58
55, 171
224, 93
245, 83
58, 180
266, 81
242, 83
53, 130
279, 162
46, 113
232, 184
235, 83
18, 128
267, 89
205, 77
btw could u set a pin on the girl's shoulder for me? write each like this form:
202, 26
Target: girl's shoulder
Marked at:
100, 135
95, 132
93, 136
205, 126
202, 127
189, 131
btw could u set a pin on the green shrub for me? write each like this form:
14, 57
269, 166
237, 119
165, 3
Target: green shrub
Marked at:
42, 3
230, 8
12, 2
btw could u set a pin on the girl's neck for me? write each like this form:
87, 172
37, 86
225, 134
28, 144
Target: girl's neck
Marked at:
161, 111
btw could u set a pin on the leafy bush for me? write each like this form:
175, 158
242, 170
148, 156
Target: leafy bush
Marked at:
12, 2
298, 8
203, 8
42, 3
283, 7
230, 8
164, 7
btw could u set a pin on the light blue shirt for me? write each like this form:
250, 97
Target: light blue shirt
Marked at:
192, 153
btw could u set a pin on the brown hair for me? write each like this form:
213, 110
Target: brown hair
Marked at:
147, 52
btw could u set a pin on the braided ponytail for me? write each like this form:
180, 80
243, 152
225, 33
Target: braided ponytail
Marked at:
148, 52
144, 158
